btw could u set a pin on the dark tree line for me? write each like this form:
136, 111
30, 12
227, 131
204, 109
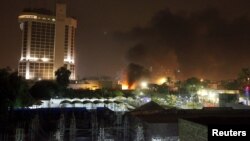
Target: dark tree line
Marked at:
14, 92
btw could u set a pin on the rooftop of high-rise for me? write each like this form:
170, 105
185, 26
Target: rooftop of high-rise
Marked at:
39, 11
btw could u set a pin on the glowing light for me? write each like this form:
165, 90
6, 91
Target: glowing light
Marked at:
27, 17
69, 60
66, 60
209, 95
32, 58
27, 76
22, 58
124, 87
21, 26
141, 93
202, 92
45, 59
162, 80
201, 80
212, 96
144, 85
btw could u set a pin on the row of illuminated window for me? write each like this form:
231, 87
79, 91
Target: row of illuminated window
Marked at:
37, 70
39, 48
36, 17
41, 65
42, 68
42, 24
49, 57
51, 34
41, 72
37, 37
52, 28
42, 37
49, 37
40, 75
40, 44
42, 47
46, 42
41, 53
43, 34
42, 31
43, 28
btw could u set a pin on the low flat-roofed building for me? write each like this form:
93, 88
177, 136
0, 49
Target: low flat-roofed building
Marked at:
91, 84
161, 124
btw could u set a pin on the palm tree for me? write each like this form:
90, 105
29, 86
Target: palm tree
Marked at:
62, 76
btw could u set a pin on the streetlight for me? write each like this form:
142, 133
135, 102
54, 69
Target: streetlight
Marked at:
201, 80
144, 85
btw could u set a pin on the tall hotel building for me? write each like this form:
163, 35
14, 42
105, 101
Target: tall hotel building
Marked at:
48, 43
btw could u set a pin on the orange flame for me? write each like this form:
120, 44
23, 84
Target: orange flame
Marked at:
125, 86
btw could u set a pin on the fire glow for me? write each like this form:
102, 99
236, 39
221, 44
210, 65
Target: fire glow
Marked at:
125, 86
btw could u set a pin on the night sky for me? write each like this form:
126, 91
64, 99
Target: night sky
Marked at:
203, 38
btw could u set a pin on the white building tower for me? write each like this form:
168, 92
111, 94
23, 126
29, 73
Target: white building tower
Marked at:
48, 43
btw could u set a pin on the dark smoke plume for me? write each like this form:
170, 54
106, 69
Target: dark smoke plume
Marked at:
136, 72
201, 44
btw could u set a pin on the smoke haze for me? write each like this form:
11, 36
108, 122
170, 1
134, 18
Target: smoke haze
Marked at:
201, 44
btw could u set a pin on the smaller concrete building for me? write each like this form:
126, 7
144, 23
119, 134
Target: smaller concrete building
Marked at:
91, 84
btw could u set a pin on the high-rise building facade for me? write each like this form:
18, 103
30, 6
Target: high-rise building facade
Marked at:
48, 43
